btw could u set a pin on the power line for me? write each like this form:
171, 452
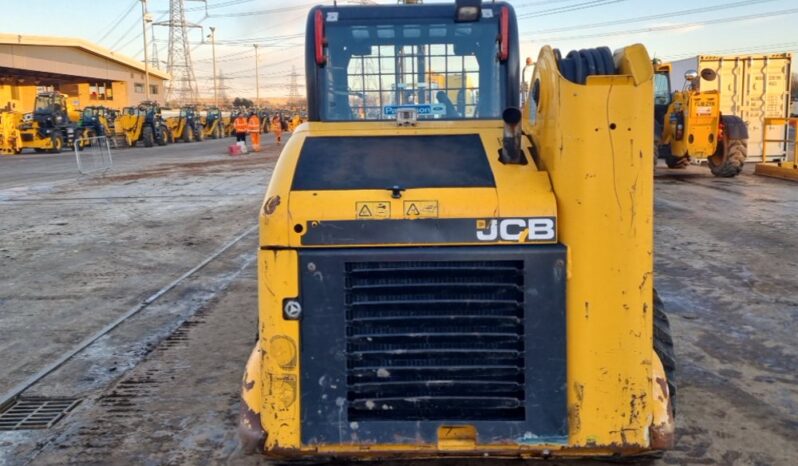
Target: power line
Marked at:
519, 6
265, 12
763, 48
212, 6
124, 35
117, 21
248, 53
569, 8
639, 19
671, 27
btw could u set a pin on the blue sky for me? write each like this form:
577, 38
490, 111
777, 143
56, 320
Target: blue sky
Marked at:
724, 27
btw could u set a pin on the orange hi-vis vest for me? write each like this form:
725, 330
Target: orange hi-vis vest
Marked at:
254, 124
240, 125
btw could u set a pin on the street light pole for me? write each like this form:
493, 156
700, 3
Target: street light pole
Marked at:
257, 83
213, 51
144, 20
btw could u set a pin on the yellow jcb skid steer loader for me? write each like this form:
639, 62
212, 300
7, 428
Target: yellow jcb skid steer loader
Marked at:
443, 274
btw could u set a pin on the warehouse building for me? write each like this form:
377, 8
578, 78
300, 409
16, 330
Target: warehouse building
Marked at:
88, 73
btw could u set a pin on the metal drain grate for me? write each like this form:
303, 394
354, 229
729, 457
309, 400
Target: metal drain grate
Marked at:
35, 413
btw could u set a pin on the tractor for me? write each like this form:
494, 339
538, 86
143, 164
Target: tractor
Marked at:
690, 127
459, 278
51, 127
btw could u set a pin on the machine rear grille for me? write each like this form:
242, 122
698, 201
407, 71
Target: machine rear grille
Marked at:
435, 340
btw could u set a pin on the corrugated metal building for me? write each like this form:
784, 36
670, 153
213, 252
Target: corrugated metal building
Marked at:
91, 74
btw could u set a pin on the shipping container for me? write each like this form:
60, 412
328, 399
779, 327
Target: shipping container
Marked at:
752, 87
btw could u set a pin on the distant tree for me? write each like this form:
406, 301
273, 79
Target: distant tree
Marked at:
242, 102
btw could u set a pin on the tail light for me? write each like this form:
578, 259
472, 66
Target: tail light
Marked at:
504, 34
319, 39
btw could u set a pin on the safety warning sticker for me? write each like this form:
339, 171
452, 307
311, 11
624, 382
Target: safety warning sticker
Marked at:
372, 210
421, 209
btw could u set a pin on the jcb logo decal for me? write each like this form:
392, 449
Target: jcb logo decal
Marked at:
513, 229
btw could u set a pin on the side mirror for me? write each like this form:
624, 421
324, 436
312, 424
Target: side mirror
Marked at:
690, 75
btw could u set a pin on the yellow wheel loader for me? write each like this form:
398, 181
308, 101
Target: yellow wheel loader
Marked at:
689, 125
459, 278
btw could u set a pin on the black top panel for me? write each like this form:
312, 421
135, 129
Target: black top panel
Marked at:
331, 163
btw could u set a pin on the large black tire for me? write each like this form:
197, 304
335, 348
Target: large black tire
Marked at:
729, 158
147, 136
198, 136
663, 345
188, 134
58, 144
164, 136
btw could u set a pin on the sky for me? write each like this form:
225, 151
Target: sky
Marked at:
670, 30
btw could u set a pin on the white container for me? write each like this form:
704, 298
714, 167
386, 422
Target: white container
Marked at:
751, 87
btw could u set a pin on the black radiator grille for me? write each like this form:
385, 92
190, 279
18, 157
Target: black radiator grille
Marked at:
435, 340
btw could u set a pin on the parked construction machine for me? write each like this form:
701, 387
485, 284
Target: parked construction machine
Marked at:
96, 121
213, 125
10, 139
467, 282
689, 125
186, 125
142, 123
53, 125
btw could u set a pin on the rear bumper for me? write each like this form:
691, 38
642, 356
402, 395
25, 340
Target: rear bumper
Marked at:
254, 437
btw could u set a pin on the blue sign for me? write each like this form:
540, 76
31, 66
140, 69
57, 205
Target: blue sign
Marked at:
421, 109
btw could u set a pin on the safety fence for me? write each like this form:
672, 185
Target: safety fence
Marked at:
93, 155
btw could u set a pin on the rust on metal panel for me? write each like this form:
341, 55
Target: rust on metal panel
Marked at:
250, 432
271, 205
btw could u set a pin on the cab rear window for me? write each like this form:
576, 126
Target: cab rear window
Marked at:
335, 163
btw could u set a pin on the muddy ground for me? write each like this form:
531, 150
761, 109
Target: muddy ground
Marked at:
162, 388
